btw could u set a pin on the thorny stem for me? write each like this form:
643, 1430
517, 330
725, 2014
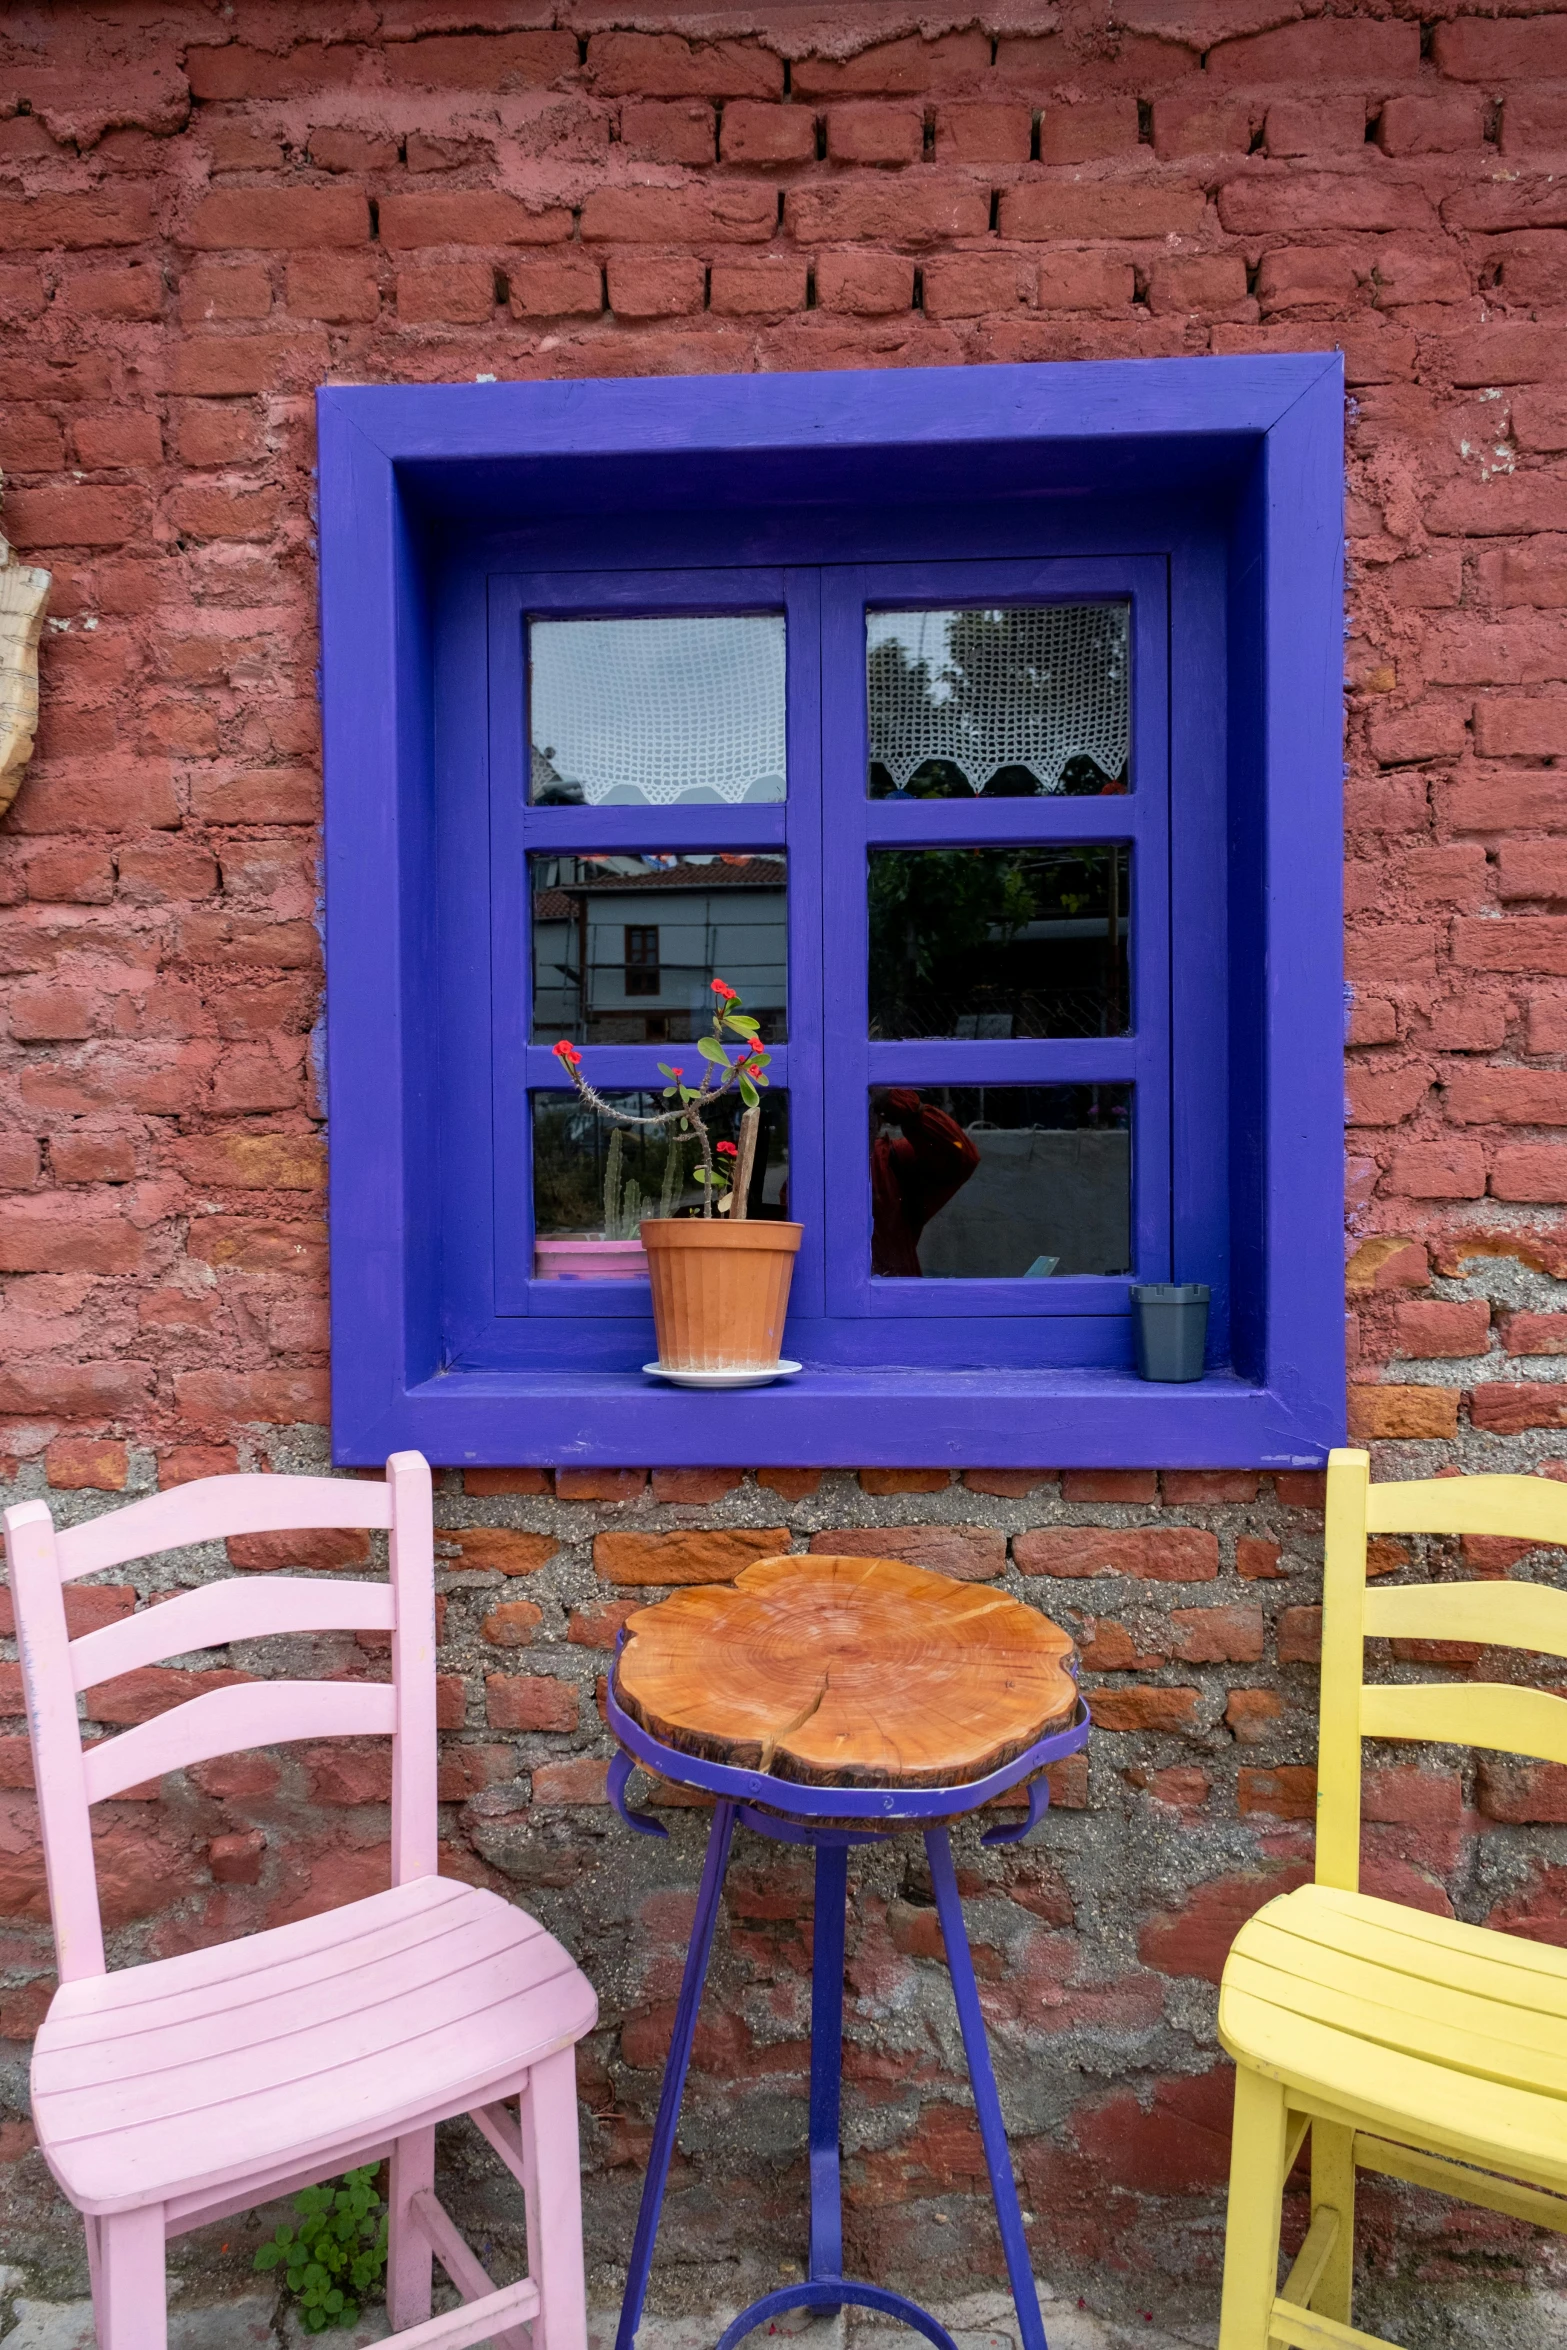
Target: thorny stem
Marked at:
686, 1115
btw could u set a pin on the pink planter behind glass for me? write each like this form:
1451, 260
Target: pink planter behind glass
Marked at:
589, 1260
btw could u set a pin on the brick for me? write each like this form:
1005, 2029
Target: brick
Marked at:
1522, 727
333, 149
1143, 1709
1007, 1484
503, 1550
331, 286
1175, 1554
1442, 125
1506, 1410
1515, 49
1546, 1029
1301, 1490
221, 367
18, 1162
1084, 132
469, 216
1507, 1097
529, 1701
1085, 281
1179, 1487
556, 288
1531, 869
181, 1464
279, 1397
150, 1690
1443, 1327
1288, 1792
134, 291
647, 288
1250, 1715
579, 1781
512, 1624
51, 1015
762, 135
211, 513
1510, 351
1449, 1169
694, 1486
1106, 208
459, 293
972, 1554
895, 68
692, 1555
1195, 1939
129, 436
792, 1484
92, 1158
749, 289
1298, 277
320, 1549
1535, 1334
1257, 1559
1300, 1636
869, 284
1336, 203
253, 1162
87, 1464
661, 65
73, 223
979, 131
482, 1484
969, 284
1353, 50
1521, 1794
600, 1484
601, 1626
74, 514
1196, 283
922, 211
74, 1391
1217, 1635
1403, 1411
1432, 731
278, 220
56, 1233
1130, 1485
875, 134
1314, 126
890, 1481
1184, 126
1507, 504
30, 441
1497, 799
218, 293
680, 130
498, 62
1539, 421
722, 214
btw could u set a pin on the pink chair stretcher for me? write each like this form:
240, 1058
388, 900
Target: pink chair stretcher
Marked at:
175, 2093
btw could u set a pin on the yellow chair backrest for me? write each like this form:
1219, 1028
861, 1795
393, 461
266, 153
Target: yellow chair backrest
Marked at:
1502, 1615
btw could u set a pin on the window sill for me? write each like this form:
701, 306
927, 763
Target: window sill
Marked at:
839, 1419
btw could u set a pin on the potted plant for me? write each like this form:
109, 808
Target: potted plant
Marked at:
720, 1278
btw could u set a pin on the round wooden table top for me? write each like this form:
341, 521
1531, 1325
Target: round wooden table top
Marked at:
847, 1672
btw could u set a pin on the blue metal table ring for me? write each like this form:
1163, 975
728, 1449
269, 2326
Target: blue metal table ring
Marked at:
831, 1819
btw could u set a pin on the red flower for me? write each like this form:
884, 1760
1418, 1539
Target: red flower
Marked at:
731, 995
567, 1053
726, 1150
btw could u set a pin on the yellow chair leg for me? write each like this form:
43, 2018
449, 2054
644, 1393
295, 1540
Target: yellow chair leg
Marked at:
1333, 2184
1251, 2242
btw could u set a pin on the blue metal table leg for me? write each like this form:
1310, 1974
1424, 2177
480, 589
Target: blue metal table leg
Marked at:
663, 2147
832, 1893
987, 2104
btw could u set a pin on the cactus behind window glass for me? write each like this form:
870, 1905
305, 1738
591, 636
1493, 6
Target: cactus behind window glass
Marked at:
622, 1200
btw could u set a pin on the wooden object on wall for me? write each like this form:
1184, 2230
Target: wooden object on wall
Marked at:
851, 1672
24, 591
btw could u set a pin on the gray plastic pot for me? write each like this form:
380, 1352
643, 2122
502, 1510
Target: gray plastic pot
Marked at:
1171, 1319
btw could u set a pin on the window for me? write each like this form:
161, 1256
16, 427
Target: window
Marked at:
997, 769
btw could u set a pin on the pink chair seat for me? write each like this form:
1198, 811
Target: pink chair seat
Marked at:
169, 2079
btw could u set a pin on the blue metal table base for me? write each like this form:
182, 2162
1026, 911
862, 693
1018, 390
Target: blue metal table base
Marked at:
826, 2288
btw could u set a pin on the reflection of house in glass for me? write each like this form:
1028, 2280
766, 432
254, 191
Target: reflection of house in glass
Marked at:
624, 946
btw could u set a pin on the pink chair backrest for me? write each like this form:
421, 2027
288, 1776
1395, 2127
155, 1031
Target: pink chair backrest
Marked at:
258, 1713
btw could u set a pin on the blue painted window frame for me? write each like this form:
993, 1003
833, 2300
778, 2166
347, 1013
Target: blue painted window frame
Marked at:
445, 516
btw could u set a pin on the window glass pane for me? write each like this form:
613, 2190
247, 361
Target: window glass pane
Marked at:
661, 713
593, 1182
996, 1182
1007, 703
625, 946
1000, 942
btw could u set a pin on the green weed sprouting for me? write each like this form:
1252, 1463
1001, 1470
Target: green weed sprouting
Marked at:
336, 2250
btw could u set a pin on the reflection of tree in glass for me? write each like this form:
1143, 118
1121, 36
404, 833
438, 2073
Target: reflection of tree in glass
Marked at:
931, 911
992, 667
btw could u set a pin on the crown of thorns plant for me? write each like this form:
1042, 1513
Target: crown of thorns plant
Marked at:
744, 1074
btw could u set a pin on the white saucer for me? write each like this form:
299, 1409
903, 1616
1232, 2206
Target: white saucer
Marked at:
760, 1377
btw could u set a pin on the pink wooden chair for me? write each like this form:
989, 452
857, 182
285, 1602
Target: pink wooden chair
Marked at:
175, 2093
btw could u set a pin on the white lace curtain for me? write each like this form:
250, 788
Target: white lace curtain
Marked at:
1035, 688
658, 711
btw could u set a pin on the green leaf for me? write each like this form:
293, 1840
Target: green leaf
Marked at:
268, 2256
711, 1050
742, 1023
748, 1093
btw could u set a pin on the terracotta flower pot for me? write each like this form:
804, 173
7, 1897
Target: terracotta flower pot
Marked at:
720, 1291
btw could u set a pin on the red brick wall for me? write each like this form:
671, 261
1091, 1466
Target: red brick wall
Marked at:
204, 214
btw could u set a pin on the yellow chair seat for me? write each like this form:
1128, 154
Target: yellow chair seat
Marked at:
1365, 2011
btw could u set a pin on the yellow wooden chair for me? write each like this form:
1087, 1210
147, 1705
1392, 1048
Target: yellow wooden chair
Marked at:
1406, 2044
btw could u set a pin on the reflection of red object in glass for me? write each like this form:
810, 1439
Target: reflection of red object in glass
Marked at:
913, 1175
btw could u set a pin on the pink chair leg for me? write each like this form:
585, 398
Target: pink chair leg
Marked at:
129, 2299
549, 2128
91, 2227
408, 2264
